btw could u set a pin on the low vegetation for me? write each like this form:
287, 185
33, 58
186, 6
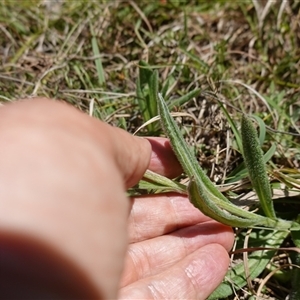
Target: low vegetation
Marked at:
214, 60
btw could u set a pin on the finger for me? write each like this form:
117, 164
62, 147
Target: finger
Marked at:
156, 215
130, 154
163, 160
150, 257
194, 277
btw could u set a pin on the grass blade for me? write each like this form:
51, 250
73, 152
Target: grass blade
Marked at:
153, 91
184, 99
262, 129
98, 62
235, 278
146, 90
236, 132
241, 171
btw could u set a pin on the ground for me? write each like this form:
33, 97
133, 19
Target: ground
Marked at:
242, 54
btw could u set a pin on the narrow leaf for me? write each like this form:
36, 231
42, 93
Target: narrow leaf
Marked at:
262, 129
146, 90
241, 171
236, 132
235, 278
153, 91
98, 62
164, 182
144, 72
184, 99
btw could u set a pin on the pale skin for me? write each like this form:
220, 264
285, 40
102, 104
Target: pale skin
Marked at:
65, 218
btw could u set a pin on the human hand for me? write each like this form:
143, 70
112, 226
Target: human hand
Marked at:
63, 208
63, 216
175, 251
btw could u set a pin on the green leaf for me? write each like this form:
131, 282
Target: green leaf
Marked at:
184, 99
98, 62
166, 86
233, 127
153, 91
146, 90
235, 278
159, 182
202, 65
144, 72
241, 171
262, 129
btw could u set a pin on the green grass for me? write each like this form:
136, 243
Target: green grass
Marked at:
236, 53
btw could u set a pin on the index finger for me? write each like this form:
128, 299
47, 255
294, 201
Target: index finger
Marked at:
163, 160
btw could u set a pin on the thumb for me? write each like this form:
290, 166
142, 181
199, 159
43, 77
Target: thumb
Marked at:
130, 153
